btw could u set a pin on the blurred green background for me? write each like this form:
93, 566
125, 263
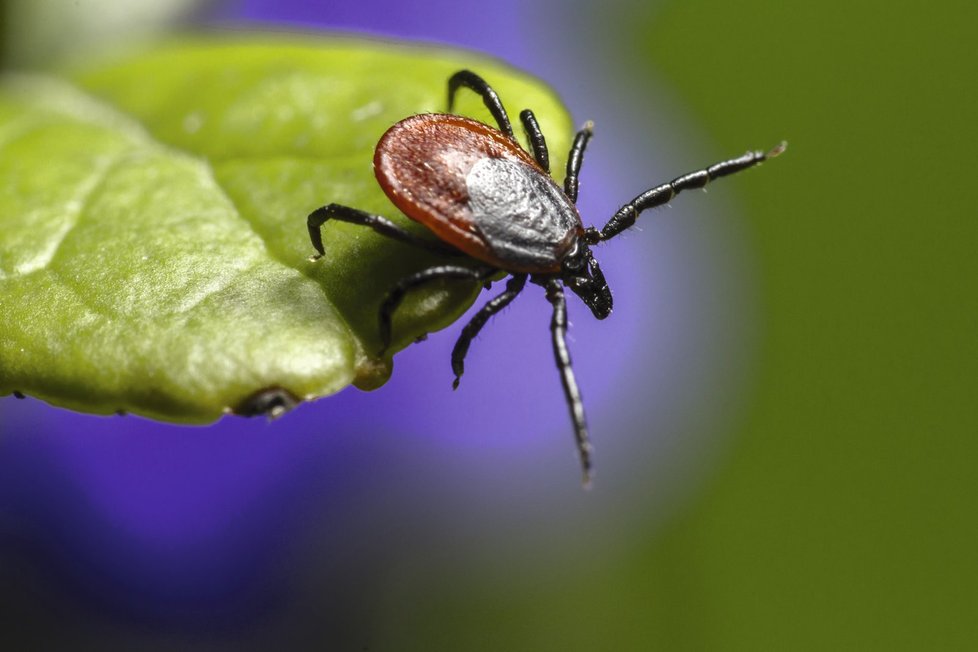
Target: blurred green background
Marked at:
845, 517
841, 516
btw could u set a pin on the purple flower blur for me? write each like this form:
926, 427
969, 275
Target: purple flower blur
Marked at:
206, 528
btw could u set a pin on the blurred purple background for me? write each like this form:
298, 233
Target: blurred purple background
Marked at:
322, 519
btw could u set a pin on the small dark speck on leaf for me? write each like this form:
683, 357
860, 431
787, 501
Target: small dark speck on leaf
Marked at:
18, 394
272, 402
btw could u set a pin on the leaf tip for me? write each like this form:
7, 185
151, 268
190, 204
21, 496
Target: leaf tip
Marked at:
373, 373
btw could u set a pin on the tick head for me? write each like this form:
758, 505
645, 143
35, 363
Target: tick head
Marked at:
581, 273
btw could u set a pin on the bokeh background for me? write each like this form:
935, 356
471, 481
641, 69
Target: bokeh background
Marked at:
783, 404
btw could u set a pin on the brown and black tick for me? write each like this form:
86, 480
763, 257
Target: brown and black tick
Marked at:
483, 196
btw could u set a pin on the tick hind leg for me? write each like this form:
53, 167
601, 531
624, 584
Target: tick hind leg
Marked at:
513, 288
379, 224
397, 294
558, 331
476, 83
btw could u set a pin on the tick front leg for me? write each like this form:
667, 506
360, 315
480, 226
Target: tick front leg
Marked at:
379, 224
513, 288
574, 160
627, 214
397, 294
537, 141
558, 331
476, 83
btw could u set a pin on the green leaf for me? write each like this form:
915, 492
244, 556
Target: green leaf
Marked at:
154, 256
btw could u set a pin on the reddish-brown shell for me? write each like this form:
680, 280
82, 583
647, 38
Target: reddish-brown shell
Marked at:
423, 162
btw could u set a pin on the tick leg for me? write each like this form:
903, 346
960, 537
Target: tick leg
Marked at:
558, 330
537, 141
396, 295
473, 81
513, 287
627, 214
380, 224
575, 158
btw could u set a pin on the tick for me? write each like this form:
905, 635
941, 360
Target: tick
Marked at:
485, 197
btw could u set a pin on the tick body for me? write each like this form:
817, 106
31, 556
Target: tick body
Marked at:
477, 190
486, 198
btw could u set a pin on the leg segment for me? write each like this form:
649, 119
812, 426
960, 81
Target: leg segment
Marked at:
558, 330
381, 225
473, 81
575, 158
537, 141
627, 214
513, 288
396, 295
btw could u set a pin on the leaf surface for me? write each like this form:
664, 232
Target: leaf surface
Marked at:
154, 256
